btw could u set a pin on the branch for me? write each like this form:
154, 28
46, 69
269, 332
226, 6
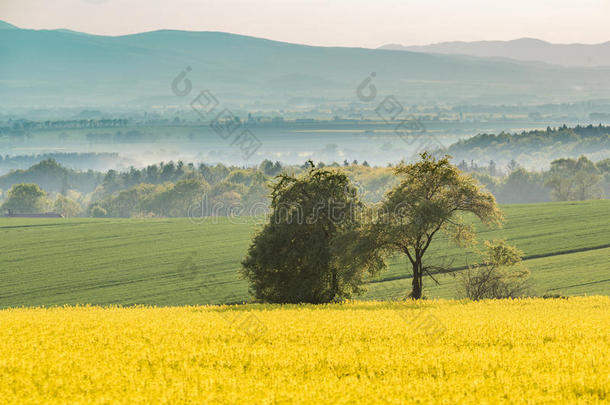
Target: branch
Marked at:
406, 250
430, 238
431, 276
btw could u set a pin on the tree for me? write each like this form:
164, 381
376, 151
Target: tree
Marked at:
270, 168
310, 249
574, 179
26, 197
522, 186
430, 198
512, 165
492, 168
266, 166
172, 200
98, 212
66, 207
499, 275
127, 203
604, 169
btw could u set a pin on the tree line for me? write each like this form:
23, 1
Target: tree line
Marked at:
25, 126
76, 160
171, 189
532, 147
567, 179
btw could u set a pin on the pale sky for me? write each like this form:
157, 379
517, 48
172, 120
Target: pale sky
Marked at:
370, 23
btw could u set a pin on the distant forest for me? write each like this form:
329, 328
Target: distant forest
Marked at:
172, 189
527, 147
79, 161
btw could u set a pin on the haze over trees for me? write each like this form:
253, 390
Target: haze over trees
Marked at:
209, 217
573, 180
567, 179
534, 146
78, 161
172, 189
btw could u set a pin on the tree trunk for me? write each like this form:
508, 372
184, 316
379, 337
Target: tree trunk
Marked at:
417, 284
334, 286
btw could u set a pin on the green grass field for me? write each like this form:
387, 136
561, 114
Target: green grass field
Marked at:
176, 262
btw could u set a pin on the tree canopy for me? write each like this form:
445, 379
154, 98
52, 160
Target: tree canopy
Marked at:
309, 250
26, 198
430, 198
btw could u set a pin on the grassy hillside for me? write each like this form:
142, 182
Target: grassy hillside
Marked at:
580, 273
177, 262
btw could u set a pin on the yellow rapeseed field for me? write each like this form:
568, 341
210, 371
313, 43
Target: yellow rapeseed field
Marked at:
520, 351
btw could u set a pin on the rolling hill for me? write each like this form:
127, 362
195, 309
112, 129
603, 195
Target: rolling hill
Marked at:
177, 262
60, 67
523, 49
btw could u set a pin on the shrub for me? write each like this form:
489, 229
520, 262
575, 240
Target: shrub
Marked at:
500, 275
98, 212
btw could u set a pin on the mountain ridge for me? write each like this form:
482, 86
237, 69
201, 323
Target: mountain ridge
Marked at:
521, 49
4, 25
59, 67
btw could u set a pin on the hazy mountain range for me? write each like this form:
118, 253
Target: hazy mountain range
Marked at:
62, 67
524, 49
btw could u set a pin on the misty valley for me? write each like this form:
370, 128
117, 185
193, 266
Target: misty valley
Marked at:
291, 202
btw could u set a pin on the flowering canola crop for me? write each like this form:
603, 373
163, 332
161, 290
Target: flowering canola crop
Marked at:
510, 351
